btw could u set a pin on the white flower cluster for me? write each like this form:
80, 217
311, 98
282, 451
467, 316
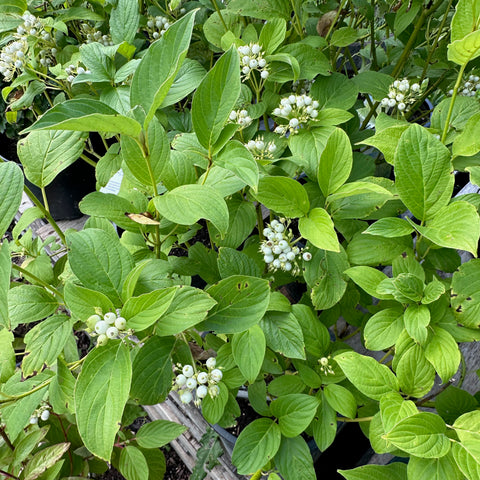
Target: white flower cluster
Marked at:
12, 58
251, 58
260, 149
298, 110
241, 117
42, 412
95, 36
31, 26
72, 71
469, 88
401, 95
279, 249
302, 86
110, 327
325, 366
157, 26
202, 383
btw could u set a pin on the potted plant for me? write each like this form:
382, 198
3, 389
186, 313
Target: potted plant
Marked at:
216, 195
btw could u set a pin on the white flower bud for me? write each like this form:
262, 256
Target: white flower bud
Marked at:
415, 87
150, 24
214, 391
33, 420
181, 380
202, 377
276, 263
268, 258
256, 48
290, 256
277, 111
391, 102
120, 323
216, 375
401, 106
307, 256
267, 231
262, 62
110, 318
188, 371
102, 340
202, 391
233, 115
264, 74
101, 327
112, 332
315, 104
293, 122
292, 99
191, 383
155, 35
186, 397
211, 363
253, 63
266, 250
272, 147
45, 415
287, 267
314, 114
399, 97
246, 70
260, 145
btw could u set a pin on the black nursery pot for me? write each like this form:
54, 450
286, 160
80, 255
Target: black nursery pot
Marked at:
67, 190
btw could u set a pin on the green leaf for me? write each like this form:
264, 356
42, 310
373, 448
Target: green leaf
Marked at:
374, 83
383, 329
467, 142
283, 334
272, 35
124, 20
5, 272
393, 409
86, 115
467, 460
17, 7
215, 98
368, 279
238, 159
98, 59
310, 60
256, 445
341, 400
248, 350
232, 262
283, 195
158, 433
307, 146
344, 36
434, 468
7, 355
405, 16
387, 140
61, 389
467, 427
144, 310
43, 460
453, 402
45, 342
373, 379
465, 296
263, 9
318, 228
29, 303
390, 227
324, 275
101, 392
188, 78
152, 371
455, 226
83, 302
147, 166
159, 66
414, 372
294, 460
33, 89
188, 307
132, 463
417, 319
443, 353
189, 203
44, 154
421, 435
464, 50
99, 261
407, 287
214, 408
357, 200
394, 471
373, 250
325, 425
241, 303
334, 91
423, 172
11, 189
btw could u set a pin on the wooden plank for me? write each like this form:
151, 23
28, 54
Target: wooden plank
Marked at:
188, 443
